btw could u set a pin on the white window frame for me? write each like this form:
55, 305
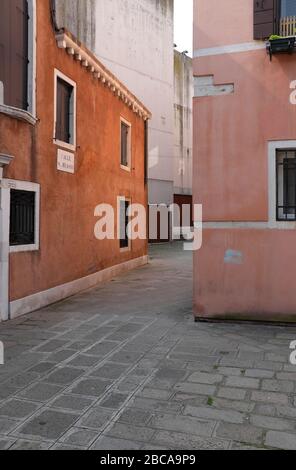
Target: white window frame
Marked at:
30, 114
129, 247
59, 143
129, 145
32, 187
273, 148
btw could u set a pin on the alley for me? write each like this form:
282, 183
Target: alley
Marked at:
124, 366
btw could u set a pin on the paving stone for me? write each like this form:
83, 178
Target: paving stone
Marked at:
110, 443
157, 405
135, 416
243, 406
7, 425
43, 367
80, 437
96, 418
22, 444
71, 402
242, 382
259, 373
48, 424
51, 346
90, 387
7, 391
272, 423
114, 400
228, 416
286, 375
176, 440
270, 397
281, 440
22, 380
278, 386
102, 349
61, 356
240, 432
109, 371
5, 444
266, 410
196, 389
126, 357
64, 376
41, 392
182, 424
84, 361
203, 378
18, 409
155, 394
232, 393
131, 432
229, 371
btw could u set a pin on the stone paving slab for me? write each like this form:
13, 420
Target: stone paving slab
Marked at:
124, 366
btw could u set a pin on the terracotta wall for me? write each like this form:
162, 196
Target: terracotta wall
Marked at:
68, 248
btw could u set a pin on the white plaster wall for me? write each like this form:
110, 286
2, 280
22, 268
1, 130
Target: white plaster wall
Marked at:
134, 39
183, 102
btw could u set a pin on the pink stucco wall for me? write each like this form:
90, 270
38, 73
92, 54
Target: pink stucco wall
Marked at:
231, 136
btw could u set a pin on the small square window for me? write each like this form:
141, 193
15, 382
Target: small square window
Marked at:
125, 155
286, 185
64, 131
22, 217
124, 221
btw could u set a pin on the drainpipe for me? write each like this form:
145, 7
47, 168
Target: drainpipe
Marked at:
5, 160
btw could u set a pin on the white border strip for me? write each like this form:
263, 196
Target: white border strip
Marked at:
231, 49
51, 296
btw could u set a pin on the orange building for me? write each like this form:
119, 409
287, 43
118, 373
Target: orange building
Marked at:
72, 136
245, 158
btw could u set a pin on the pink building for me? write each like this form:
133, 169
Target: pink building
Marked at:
245, 159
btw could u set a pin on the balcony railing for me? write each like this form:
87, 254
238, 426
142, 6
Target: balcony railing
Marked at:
288, 26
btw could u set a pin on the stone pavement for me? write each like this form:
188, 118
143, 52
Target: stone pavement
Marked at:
124, 366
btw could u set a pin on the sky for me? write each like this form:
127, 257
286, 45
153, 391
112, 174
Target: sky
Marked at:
184, 25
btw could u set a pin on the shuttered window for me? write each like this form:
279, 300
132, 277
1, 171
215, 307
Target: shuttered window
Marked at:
22, 217
64, 111
266, 18
14, 52
125, 157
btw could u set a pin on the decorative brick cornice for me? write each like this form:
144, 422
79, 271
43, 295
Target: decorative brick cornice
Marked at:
74, 48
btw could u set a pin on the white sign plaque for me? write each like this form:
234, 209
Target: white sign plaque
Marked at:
66, 161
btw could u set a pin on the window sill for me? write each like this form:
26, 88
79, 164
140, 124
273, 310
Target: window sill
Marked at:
64, 145
23, 248
19, 114
126, 168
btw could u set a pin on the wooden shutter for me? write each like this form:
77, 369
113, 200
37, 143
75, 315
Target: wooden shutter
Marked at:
266, 18
14, 52
124, 144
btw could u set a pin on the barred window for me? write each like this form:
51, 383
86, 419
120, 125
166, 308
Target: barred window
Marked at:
286, 185
22, 217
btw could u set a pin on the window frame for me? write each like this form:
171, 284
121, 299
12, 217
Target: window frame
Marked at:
128, 248
127, 167
59, 75
28, 115
31, 187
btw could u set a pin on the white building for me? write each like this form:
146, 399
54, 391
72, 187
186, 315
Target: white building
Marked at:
134, 38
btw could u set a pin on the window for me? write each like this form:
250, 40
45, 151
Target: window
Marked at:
125, 158
286, 185
123, 223
65, 110
22, 217
14, 32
